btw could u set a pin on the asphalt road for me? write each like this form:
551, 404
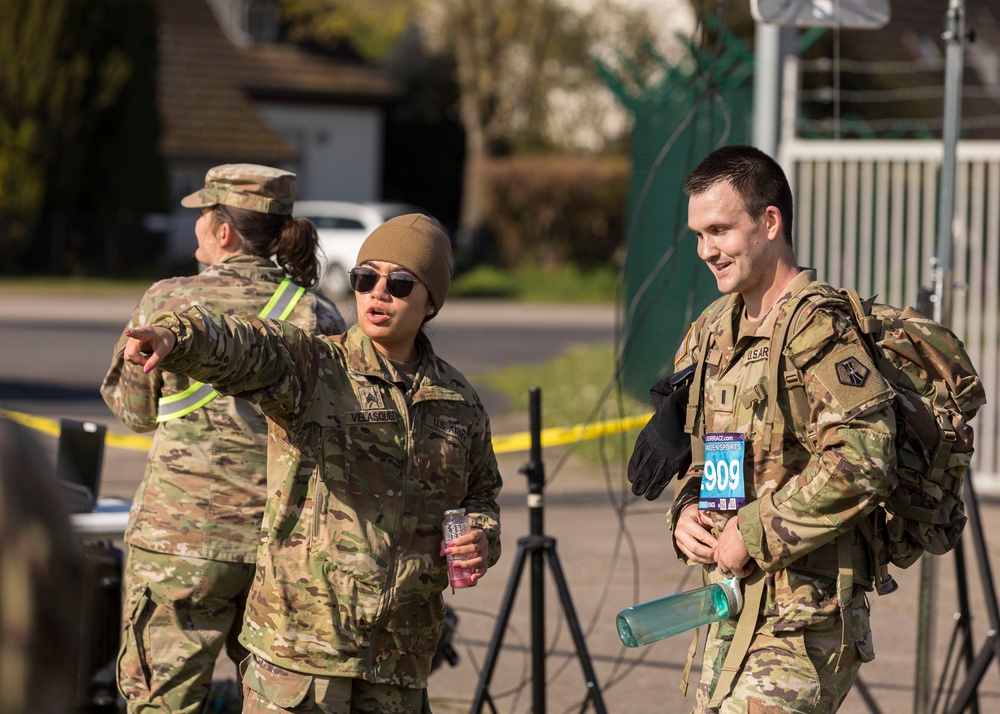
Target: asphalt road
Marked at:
612, 548
56, 348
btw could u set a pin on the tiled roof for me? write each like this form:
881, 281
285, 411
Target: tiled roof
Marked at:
207, 87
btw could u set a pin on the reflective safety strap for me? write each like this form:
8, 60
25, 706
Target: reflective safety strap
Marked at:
281, 304
746, 626
284, 300
177, 405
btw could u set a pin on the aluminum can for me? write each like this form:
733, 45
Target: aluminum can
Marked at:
456, 524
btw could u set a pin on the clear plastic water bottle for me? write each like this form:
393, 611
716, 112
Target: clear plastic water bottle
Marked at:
456, 524
658, 619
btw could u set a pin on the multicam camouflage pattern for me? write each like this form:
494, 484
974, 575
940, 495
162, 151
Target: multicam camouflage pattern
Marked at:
256, 188
42, 567
203, 491
813, 480
268, 689
349, 579
937, 393
789, 671
202, 496
178, 614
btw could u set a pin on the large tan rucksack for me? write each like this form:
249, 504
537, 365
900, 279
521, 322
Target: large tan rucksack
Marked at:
937, 393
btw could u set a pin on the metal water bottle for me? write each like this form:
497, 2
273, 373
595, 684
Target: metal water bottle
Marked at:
456, 524
658, 619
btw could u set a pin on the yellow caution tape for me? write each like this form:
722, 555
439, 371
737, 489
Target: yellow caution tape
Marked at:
46, 426
553, 436
557, 435
132, 442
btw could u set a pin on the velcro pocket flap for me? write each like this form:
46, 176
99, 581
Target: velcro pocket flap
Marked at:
278, 686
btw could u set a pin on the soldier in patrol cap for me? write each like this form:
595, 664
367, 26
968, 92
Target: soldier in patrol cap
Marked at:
378, 438
776, 504
195, 521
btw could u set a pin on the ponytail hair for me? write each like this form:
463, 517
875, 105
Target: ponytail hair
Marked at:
291, 241
297, 251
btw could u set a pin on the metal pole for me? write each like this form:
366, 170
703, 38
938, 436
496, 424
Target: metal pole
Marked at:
772, 43
954, 36
536, 483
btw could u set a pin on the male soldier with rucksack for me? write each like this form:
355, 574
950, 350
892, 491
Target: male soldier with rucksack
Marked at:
774, 500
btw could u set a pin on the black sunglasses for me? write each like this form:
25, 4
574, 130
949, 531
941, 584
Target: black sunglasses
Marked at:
399, 285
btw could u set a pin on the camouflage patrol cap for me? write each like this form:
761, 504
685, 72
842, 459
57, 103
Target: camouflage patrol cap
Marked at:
255, 188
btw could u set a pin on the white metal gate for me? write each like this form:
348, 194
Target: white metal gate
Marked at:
866, 218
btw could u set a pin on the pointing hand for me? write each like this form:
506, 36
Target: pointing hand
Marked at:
147, 346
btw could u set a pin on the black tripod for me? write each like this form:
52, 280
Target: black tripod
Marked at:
961, 639
960, 651
539, 546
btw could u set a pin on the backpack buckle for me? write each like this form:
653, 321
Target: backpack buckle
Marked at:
948, 433
753, 396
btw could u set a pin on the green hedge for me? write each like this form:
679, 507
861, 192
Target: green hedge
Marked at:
551, 211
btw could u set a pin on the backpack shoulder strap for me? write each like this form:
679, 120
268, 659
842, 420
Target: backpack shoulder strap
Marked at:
817, 292
746, 627
695, 421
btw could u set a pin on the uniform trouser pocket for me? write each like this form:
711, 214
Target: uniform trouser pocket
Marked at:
133, 657
266, 686
179, 612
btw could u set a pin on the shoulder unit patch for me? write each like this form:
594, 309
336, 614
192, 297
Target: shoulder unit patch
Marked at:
851, 373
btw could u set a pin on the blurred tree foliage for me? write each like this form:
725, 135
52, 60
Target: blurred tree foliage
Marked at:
512, 62
78, 125
371, 26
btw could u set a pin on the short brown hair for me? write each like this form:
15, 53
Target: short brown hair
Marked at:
755, 176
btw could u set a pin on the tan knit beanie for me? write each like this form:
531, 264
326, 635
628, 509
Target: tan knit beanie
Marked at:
417, 243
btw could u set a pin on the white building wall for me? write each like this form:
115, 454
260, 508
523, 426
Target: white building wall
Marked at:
340, 149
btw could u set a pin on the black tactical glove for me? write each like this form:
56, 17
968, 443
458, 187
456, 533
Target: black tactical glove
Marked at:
663, 449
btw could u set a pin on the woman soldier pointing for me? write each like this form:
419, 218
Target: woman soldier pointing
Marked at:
376, 438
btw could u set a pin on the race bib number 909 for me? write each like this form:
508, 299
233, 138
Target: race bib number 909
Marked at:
722, 482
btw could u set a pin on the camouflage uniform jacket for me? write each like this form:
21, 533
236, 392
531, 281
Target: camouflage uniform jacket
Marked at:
813, 481
349, 577
203, 491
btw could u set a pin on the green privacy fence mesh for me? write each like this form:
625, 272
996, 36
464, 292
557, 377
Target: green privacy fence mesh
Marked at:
682, 113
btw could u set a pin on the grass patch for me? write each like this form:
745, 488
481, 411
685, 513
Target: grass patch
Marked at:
74, 286
566, 284
573, 385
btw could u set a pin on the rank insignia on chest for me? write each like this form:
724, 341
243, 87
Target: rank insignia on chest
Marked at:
370, 397
851, 373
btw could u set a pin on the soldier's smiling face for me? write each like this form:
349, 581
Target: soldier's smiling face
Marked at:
391, 322
739, 250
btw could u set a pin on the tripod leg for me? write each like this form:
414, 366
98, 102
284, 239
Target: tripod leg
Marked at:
991, 648
963, 621
574, 626
982, 554
493, 652
866, 695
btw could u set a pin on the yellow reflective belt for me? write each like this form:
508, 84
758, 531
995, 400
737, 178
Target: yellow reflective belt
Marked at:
281, 304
